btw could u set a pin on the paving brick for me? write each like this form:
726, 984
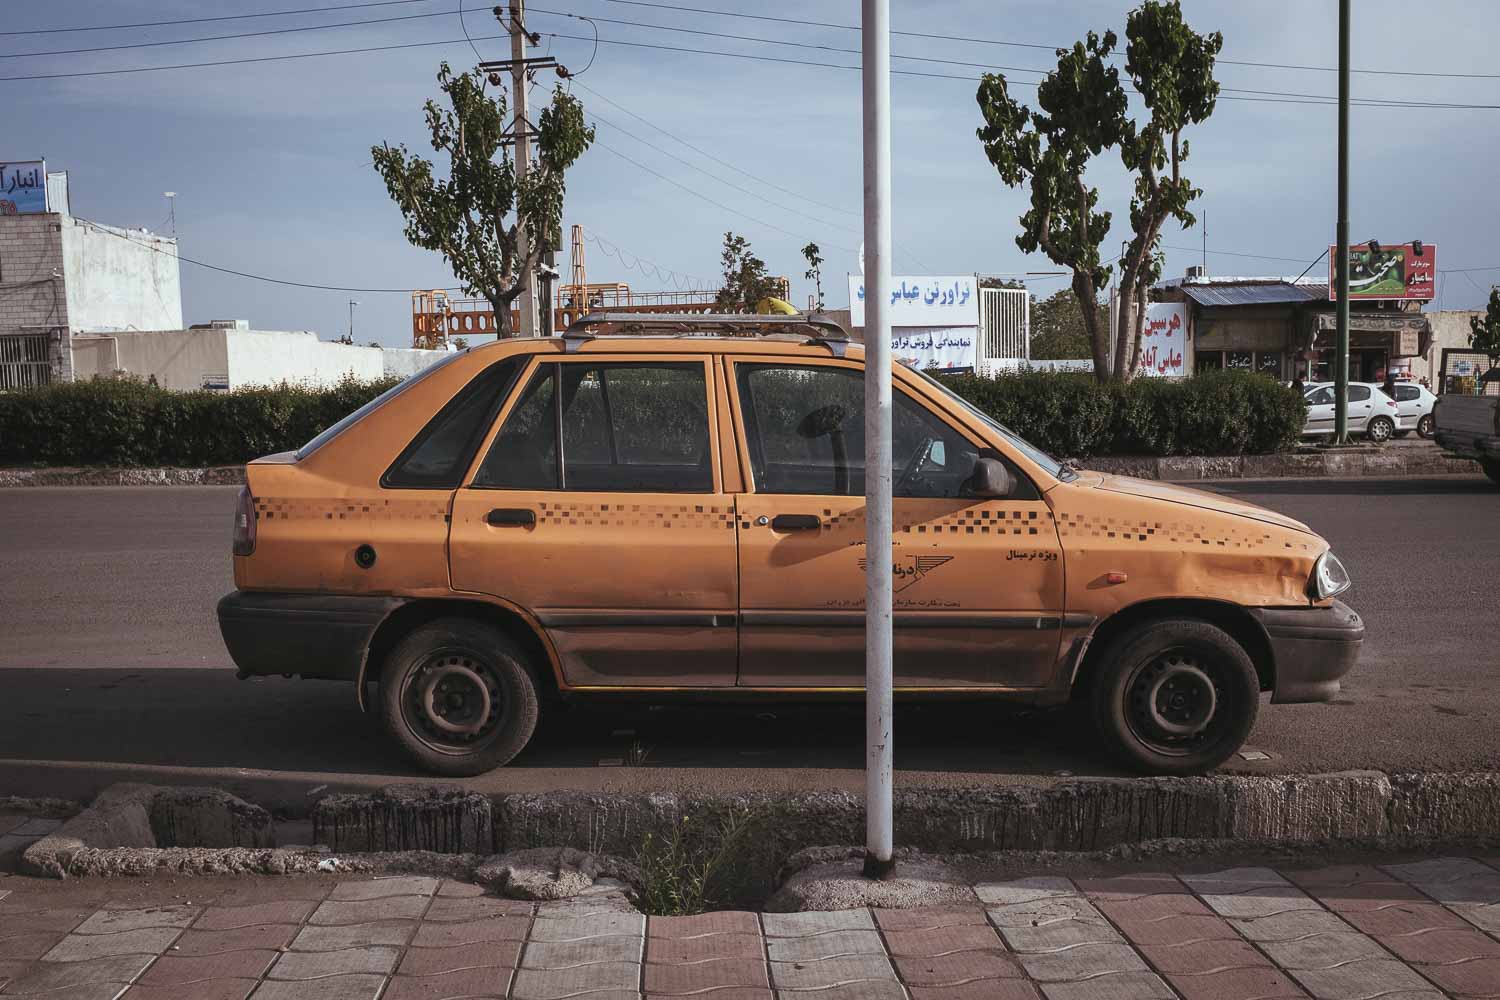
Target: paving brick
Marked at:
432, 961
566, 954
1084, 961
86, 991
1043, 911
614, 904
226, 918
1060, 934
873, 990
470, 932
274, 890
332, 988
1484, 917
1197, 957
476, 908
1232, 879
1480, 978
958, 968
1435, 870
1023, 890
930, 917
803, 924
33, 921
404, 885
985, 989
113, 921
321, 964
1405, 918
466, 983
1127, 887
27, 946
727, 993
935, 941
816, 947
722, 922
1289, 926
1260, 901
556, 984
1372, 977
671, 951
46, 977
175, 970
1111, 986
1261, 982
8, 822
1323, 951
1166, 919
700, 977
363, 911
830, 972
578, 928
196, 942
146, 941
353, 936
211, 989
460, 890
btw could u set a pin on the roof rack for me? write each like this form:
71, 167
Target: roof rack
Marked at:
813, 328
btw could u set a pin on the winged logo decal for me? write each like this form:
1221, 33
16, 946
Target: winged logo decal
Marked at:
908, 570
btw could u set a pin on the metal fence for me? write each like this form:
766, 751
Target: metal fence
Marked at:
24, 361
1004, 328
1464, 372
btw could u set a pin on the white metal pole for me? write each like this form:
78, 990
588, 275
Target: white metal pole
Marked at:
879, 726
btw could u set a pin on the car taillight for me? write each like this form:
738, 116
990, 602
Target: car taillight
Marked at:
1391, 403
244, 523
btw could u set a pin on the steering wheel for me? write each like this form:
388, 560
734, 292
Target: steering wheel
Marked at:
915, 463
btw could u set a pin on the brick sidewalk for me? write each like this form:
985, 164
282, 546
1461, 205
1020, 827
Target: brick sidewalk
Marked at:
1398, 932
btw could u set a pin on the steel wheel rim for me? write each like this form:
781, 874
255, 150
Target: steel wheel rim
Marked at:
453, 701
1380, 430
1176, 703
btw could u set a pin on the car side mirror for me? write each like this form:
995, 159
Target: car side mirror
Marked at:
990, 479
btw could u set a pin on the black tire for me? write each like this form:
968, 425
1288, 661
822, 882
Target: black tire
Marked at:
1424, 426
1380, 429
1491, 467
1219, 694
432, 704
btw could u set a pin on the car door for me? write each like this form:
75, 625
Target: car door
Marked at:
1360, 407
1408, 406
978, 584
1319, 411
598, 508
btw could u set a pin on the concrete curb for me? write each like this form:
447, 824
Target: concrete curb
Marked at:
1356, 463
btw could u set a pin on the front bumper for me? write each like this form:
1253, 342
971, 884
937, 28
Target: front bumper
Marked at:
311, 635
1313, 648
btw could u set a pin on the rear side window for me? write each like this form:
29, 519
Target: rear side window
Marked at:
627, 427
1321, 397
364, 411
1359, 393
440, 454
1407, 393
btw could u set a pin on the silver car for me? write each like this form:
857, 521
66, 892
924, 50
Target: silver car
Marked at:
1370, 411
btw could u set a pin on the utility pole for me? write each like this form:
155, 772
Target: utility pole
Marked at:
1341, 243
352, 304
521, 128
879, 721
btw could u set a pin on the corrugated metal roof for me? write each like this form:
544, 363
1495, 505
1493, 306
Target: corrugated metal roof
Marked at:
1254, 293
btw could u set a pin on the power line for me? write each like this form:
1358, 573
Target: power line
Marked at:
1035, 45
204, 20
611, 249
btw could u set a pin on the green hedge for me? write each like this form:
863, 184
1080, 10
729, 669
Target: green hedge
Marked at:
126, 423
1071, 414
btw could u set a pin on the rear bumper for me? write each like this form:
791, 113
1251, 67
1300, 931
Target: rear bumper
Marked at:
1313, 648
310, 635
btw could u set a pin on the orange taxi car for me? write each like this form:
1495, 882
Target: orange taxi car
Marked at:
674, 506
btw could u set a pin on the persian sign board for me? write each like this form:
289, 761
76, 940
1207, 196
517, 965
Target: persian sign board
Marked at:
23, 187
919, 347
1402, 271
934, 320
1164, 340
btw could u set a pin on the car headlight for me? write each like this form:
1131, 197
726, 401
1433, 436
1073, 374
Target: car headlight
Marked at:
1329, 578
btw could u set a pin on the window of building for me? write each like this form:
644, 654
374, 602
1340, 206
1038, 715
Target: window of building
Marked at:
1205, 361
624, 428
1264, 362
1268, 363
440, 454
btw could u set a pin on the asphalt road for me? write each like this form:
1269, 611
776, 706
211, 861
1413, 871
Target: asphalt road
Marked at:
111, 668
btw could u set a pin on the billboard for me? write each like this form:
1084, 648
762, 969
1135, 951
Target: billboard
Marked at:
23, 187
1377, 271
948, 300
924, 347
1164, 339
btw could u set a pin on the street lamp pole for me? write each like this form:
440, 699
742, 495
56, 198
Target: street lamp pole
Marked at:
352, 304
879, 758
1341, 251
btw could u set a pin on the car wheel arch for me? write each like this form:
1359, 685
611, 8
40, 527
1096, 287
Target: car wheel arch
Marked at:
1233, 618
514, 621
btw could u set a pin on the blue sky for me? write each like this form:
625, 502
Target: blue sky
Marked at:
271, 167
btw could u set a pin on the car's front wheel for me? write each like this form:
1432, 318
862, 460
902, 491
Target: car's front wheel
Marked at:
1381, 429
457, 697
1424, 426
1175, 696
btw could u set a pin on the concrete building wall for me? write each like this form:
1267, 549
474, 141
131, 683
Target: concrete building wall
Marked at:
267, 357
120, 279
1450, 328
177, 359
402, 362
32, 296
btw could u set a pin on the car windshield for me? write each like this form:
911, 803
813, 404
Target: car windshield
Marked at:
1052, 466
364, 411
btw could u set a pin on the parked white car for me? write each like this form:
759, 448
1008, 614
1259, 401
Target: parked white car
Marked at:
1414, 407
1370, 411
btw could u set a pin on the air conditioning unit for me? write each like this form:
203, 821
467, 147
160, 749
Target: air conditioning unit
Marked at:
1197, 271
222, 324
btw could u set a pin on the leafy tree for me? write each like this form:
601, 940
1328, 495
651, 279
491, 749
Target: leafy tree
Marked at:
746, 281
814, 268
464, 217
461, 343
1484, 334
1058, 328
1083, 111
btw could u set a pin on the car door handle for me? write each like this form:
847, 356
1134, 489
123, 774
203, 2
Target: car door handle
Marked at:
511, 517
796, 522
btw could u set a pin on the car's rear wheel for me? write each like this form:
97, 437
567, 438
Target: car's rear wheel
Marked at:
1175, 696
456, 695
1424, 426
1381, 429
